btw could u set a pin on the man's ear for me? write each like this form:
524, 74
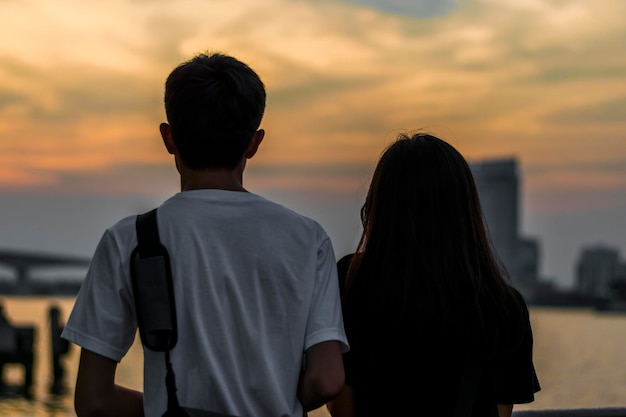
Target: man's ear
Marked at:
253, 146
168, 141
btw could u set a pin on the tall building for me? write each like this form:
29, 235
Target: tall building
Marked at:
498, 186
598, 267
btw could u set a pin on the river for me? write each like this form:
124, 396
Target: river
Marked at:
579, 357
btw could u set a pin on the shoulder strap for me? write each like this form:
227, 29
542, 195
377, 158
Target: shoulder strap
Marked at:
153, 289
152, 286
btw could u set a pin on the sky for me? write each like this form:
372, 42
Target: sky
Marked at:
544, 81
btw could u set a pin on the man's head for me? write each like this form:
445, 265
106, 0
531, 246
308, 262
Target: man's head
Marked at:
214, 105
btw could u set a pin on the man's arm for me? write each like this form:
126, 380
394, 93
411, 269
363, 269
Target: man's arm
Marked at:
96, 393
323, 376
343, 404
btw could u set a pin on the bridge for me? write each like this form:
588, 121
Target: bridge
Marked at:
25, 262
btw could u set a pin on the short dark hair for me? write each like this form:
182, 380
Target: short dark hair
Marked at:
214, 105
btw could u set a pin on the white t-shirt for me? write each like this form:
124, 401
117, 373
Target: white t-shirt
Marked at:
255, 286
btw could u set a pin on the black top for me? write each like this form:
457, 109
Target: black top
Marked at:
403, 373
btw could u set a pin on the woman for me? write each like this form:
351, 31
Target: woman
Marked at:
434, 327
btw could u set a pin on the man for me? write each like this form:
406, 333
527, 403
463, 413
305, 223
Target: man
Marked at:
255, 283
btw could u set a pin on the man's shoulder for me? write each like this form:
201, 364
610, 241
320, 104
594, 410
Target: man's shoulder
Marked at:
286, 211
124, 224
122, 232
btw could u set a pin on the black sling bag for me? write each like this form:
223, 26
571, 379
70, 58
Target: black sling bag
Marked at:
153, 292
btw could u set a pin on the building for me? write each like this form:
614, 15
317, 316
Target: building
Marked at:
498, 184
598, 269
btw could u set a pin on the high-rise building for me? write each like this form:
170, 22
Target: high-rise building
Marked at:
598, 267
498, 186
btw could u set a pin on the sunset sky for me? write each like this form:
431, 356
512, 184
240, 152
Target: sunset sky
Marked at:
81, 87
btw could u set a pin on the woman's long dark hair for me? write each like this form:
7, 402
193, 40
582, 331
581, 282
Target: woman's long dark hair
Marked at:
424, 262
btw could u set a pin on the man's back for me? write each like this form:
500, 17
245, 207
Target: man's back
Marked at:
251, 282
255, 284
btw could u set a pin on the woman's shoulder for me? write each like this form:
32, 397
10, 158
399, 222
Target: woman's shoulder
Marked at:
344, 261
343, 264
519, 327
342, 271
517, 300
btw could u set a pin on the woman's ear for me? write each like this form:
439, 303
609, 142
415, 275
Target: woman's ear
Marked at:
168, 141
253, 146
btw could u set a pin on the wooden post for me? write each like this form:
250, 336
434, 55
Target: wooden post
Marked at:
58, 348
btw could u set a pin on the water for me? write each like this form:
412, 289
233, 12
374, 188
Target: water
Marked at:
579, 356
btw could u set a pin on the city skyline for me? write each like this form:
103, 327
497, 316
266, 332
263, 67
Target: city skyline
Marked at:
543, 81
500, 187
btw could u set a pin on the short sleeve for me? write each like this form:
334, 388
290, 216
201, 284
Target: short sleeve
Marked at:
517, 378
102, 319
326, 319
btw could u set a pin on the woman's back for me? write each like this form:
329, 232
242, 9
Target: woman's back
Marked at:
424, 296
398, 368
